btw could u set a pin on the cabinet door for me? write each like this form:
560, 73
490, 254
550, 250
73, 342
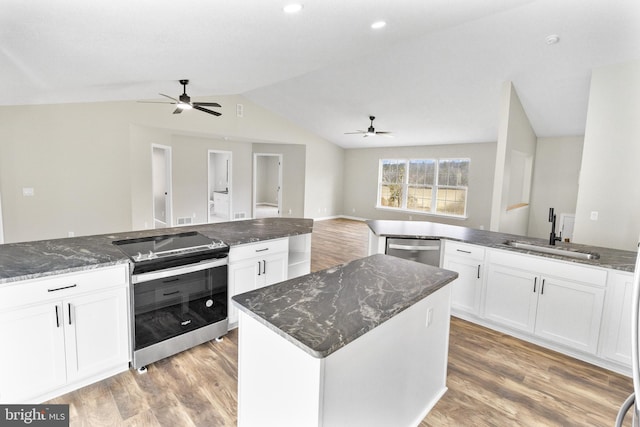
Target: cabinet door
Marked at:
616, 335
511, 297
32, 361
274, 269
243, 277
569, 313
97, 334
466, 289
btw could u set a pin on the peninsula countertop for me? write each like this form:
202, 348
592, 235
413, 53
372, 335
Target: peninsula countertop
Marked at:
609, 258
30, 260
326, 310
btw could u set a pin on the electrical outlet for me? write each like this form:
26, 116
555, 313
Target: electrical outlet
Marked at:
429, 316
27, 191
239, 110
71, 234
594, 216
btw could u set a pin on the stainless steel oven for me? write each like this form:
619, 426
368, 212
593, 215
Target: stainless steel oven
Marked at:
178, 293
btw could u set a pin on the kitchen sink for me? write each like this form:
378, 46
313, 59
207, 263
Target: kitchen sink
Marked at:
553, 250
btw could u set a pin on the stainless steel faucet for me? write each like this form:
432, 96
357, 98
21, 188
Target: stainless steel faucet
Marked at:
552, 236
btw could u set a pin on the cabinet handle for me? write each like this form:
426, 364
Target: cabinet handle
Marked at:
464, 252
264, 267
166, 294
69, 306
64, 287
262, 250
535, 281
57, 318
542, 289
259, 269
478, 271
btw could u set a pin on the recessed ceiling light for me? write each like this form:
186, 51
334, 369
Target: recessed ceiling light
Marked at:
292, 8
379, 24
552, 39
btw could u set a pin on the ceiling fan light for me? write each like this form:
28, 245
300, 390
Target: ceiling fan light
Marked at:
184, 106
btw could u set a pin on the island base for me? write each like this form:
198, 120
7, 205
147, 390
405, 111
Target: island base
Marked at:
392, 375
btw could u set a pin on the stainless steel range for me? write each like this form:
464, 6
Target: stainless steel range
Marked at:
178, 293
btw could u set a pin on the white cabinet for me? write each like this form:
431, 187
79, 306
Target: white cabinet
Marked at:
557, 301
254, 266
616, 326
62, 333
299, 255
468, 261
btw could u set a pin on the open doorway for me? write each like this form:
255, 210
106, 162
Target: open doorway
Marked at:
267, 185
161, 185
219, 188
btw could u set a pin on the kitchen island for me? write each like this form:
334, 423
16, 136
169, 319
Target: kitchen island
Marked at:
364, 343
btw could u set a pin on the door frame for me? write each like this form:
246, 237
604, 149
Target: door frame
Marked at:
255, 177
229, 181
169, 189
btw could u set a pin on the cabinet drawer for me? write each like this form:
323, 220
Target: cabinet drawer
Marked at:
252, 250
463, 250
62, 286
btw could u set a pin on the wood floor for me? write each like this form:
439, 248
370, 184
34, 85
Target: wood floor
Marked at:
493, 379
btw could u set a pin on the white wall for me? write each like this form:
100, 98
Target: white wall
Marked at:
555, 182
90, 167
361, 181
515, 138
609, 183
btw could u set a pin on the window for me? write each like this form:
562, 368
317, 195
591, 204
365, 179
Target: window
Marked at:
432, 186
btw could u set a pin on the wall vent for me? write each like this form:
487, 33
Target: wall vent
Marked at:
185, 220
239, 215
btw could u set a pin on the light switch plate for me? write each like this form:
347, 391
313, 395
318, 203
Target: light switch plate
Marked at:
27, 191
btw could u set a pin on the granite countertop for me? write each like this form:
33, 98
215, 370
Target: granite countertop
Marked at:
609, 258
326, 310
30, 260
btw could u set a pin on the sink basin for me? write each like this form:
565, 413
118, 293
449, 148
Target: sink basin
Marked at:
553, 250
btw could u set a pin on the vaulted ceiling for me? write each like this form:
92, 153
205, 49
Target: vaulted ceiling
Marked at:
432, 75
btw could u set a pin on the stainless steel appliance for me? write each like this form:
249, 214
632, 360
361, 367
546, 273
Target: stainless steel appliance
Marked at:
425, 251
178, 293
634, 398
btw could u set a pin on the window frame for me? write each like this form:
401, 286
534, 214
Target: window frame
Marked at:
435, 186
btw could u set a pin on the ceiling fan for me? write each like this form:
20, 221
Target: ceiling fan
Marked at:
371, 131
184, 102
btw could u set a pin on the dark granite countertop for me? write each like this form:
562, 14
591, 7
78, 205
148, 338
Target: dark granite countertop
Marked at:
30, 260
326, 310
609, 258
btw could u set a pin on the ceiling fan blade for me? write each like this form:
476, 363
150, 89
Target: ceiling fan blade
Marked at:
199, 108
155, 102
170, 97
177, 110
207, 104
356, 132
383, 132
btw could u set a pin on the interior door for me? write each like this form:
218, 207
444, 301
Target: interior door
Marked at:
161, 185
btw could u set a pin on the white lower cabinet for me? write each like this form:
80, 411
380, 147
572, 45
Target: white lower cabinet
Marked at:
468, 262
254, 266
65, 332
616, 326
557, 301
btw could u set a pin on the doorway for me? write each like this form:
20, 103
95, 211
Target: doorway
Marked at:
219, 188
161, 185
267, 185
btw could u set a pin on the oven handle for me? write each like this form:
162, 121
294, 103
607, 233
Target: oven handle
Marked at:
176, 271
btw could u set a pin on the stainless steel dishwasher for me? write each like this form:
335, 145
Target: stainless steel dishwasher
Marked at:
419, 250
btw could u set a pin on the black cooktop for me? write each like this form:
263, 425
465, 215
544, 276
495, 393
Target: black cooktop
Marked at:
169, 246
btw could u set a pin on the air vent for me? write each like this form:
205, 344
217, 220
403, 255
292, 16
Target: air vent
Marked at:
186, 220
239, 215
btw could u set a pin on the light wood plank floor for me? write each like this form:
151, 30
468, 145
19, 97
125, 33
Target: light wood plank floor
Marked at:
493, 379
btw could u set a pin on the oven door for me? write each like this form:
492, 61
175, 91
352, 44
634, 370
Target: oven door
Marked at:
168, 303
